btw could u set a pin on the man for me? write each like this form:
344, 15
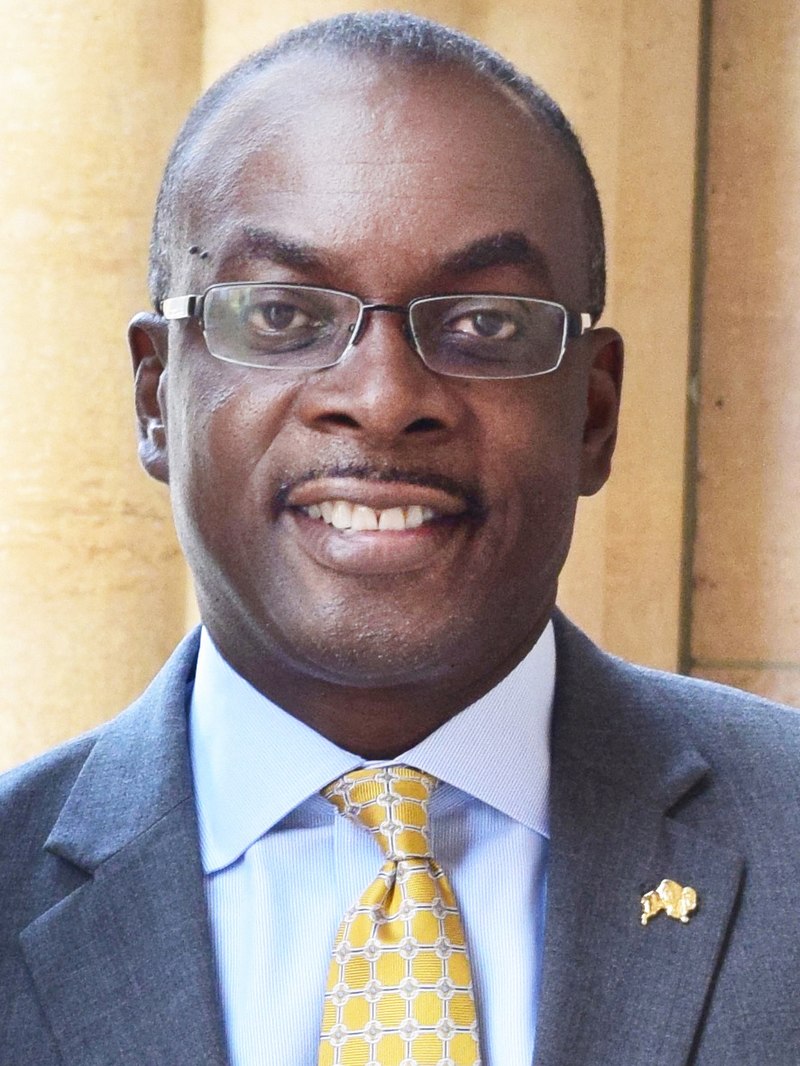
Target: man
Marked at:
376, 387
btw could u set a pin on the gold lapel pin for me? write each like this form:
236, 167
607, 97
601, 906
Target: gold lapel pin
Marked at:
678, 902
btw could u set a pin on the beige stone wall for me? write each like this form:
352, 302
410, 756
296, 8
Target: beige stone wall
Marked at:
690, 558
91, 582
745, 607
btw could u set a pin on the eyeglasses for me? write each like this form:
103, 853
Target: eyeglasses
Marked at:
304, 327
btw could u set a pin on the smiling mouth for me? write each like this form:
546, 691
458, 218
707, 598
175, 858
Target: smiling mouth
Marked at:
344, 515
378, 523
363, 499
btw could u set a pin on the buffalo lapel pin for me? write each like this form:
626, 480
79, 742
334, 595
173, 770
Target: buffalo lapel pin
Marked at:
675, 900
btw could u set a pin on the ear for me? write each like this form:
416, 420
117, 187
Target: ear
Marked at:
147, 339
602, 408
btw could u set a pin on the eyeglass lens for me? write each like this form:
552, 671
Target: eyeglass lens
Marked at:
301, 327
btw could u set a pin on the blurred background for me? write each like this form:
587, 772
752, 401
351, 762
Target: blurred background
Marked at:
689, 112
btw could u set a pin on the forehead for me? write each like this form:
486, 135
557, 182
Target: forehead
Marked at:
372, 163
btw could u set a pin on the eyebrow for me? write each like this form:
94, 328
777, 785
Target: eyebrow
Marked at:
255, 243
499, 249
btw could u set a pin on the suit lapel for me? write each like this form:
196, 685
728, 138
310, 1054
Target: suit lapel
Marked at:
123, 965
613, 990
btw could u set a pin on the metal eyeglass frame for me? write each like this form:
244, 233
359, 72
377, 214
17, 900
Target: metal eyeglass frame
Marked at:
190, 306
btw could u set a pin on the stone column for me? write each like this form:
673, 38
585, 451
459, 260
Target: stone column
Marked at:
91, 582
745, 625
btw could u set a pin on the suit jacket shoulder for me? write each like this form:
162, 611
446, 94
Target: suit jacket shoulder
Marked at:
105, 955
651, 717
660, 777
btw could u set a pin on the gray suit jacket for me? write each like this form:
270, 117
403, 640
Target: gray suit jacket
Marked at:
105, 956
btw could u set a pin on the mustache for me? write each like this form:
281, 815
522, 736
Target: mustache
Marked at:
468, 491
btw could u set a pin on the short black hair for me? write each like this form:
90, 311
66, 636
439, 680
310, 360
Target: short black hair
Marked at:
404, 38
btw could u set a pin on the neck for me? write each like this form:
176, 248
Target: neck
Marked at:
381, 721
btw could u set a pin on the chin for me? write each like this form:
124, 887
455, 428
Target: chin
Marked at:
379, 656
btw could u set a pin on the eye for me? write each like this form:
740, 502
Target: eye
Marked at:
278, 316
486, 324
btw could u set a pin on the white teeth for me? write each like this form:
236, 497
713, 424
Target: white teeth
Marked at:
364, 518
341, 514
393, 518
414, 517
342, 517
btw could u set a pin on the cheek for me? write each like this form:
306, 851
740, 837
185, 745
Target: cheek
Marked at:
531, 452
532, 437
222, 422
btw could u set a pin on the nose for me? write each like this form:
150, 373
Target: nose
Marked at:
381, 390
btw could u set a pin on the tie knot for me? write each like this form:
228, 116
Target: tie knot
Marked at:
392, 803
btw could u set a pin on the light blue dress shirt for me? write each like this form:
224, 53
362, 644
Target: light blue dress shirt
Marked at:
282, 867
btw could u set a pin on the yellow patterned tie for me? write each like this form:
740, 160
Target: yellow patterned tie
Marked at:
399, 987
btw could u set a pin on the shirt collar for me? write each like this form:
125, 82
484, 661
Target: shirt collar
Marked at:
253, 762
498, 748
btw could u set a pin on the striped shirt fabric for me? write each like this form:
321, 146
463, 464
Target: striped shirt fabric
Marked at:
281, 867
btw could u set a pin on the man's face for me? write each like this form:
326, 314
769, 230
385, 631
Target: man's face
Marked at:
390, 184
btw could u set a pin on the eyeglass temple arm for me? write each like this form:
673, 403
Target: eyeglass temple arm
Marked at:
177, 307
577, 324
